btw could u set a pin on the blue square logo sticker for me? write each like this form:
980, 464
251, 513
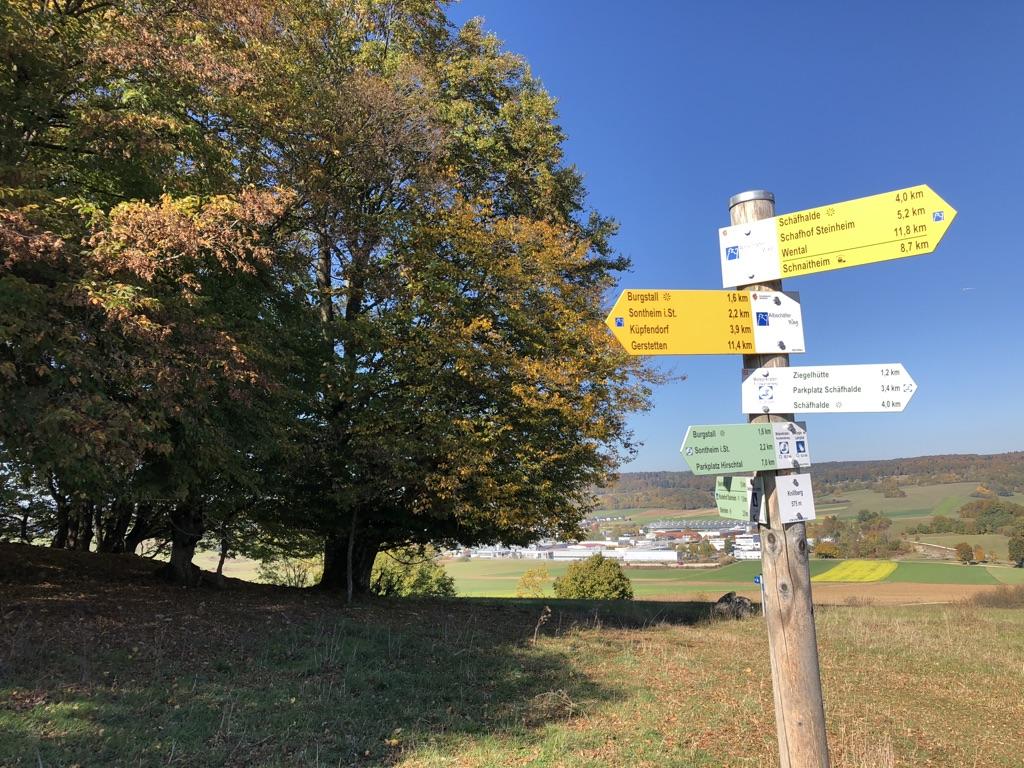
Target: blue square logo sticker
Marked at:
938, 215
732, 253
801, 446
619, 322
762, 318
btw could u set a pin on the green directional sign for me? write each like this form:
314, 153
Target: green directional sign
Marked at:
739, 498
716, 449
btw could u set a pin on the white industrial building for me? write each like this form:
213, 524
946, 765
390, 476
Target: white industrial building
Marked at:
747, 547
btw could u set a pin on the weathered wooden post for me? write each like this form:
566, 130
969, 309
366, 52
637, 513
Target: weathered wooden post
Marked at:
792, 641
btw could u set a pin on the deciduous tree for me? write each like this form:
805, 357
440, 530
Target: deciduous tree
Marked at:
1016, 550
964, 552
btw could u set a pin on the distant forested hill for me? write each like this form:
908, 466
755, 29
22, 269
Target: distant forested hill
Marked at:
1001, 473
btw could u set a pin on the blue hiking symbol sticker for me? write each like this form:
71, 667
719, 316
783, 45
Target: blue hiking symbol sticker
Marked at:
732, 253
762, 318
619, 322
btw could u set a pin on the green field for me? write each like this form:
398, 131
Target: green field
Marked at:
990, 542
643, 516
1006, 575
921, 501
498, 578
234, 567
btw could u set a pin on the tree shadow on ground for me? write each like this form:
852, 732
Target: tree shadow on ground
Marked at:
96, 672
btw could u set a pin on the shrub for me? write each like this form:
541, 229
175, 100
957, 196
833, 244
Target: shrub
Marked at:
410, 572
1003, 596
596, 578
531, 583
826, 550
290, 571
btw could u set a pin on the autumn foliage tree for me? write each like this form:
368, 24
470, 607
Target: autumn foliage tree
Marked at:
284, 271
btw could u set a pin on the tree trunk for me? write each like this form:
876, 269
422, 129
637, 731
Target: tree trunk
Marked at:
84, 529
74, 536
325, 283
142, 528
60, 536
24, 525
115, 527
349, 570
186, 531
337, 562
223, 556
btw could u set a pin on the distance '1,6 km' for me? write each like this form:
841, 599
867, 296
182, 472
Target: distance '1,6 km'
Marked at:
722, 448
660, 322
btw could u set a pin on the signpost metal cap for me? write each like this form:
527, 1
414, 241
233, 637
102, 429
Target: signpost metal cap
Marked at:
753, 194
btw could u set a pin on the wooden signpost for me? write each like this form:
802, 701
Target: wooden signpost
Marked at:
786, 581
764, 323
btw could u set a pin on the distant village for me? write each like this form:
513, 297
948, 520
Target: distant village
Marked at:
663, 542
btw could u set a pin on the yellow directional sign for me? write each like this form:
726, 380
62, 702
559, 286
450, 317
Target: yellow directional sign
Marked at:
893, 225
659, 322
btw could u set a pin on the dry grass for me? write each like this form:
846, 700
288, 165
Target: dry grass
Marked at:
136, 674
1003, 596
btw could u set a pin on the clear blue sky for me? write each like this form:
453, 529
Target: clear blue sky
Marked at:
671, 107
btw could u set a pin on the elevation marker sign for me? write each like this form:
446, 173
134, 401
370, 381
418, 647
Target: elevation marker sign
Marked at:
714, 449
878, 388
892, 225
658, 322
796, 498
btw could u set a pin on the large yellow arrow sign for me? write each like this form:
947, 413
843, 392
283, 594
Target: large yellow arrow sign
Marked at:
893, 225
650, 322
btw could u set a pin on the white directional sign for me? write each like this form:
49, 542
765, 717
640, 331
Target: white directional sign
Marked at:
877, 388
796, 498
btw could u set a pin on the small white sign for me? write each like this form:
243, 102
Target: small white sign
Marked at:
796, 498
750, 253
778, 322
791, 451
877, 388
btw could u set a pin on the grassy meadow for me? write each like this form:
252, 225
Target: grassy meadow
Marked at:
134, 673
